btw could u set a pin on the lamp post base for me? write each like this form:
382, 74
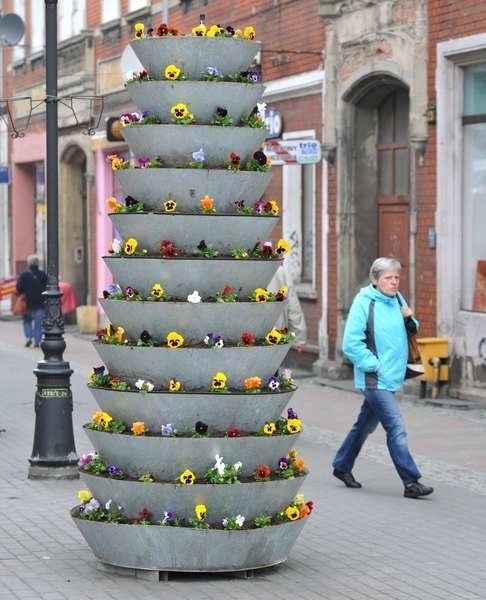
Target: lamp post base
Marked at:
36, 472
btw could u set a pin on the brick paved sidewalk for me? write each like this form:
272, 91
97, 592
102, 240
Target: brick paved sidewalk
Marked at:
369, 544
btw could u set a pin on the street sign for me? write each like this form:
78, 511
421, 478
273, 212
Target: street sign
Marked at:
293, 152
4, 174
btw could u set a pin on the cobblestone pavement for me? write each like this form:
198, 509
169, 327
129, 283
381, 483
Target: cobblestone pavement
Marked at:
368, 544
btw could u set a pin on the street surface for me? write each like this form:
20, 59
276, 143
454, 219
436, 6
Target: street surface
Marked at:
368, 544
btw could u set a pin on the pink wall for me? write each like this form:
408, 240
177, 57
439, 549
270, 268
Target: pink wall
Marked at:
25, 151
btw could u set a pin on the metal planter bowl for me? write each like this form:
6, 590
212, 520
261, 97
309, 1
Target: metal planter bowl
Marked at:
188, 186
174, 144
167, 457
224, 232
194, 321
247, 412
195, 367
222, 500
154, 547
193, 54
157, 98
181, 276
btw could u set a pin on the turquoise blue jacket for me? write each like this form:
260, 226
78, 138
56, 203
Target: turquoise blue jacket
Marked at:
376, 346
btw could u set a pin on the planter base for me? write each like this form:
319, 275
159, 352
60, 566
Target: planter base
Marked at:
180, 549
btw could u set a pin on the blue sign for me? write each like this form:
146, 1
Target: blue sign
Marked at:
4, 174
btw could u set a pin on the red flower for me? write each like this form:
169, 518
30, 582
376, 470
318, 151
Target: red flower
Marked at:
168, 249
310, 505
144, 513
227, 290
235, 159
233, 432
262, 472
248, 338
162, 29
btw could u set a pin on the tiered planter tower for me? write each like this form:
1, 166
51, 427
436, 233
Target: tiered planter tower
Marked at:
188, 548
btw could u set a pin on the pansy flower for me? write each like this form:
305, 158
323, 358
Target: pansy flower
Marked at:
201, 427
212, 71
200, 511
259, 207
260, 157
294, 425
113, 471
200, 30
213, 31
175, 385
87, 458
170, 205
174, 339
247, 338
168, 249
283, 463
281, 293
207, 204
194, 298
84, 496
292, 513
116, 246
145, 336
172, 72
272, 207
112, 204
102, 419
273, 337
273, 383
157, 291
282, 247
167, 430
269, 428
130, 201
291, 414
252, 383
233, 432
218, 382
198, 156
267, 249
131, 292
260, 295
139, 30
180, 111
249, 33
138, 428
187, 477
299, 463
169, 518
143, 162
262, 472
130, 246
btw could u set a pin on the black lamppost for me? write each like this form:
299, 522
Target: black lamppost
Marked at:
53, 453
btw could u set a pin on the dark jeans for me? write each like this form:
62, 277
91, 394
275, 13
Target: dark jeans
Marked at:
33, 324
379, 406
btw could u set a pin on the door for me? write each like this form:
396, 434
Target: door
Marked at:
394, 180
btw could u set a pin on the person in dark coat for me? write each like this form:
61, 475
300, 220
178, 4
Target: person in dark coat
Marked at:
32, 283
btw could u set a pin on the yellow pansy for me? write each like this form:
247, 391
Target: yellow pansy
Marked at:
175, 385
139, 30
187, 477
292, 513
172, 72
179, 111
130, 246
119, 334
101, 418
213, 31
200, 30
200, 511
84, 496
269, 428
157, 291
249, 33
261, 295
282, 247
174, 339
273, 337
170, 205
294, 425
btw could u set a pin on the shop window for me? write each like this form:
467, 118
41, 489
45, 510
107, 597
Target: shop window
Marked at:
474, 188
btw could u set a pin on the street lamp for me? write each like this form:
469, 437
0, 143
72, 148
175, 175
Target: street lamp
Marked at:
53, 453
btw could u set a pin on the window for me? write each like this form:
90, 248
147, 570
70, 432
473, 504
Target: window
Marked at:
474, 188
72, 15
110, 10
37, 32
19, 48
136, 4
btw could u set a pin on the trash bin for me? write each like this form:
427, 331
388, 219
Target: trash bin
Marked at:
87, 319
434, 347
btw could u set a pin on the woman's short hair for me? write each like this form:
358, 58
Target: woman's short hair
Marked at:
382, 264
33, 260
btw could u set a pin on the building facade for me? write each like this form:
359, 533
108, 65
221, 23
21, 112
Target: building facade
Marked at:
93, 36
404, 134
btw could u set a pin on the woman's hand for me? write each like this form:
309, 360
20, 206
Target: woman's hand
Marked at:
406, 311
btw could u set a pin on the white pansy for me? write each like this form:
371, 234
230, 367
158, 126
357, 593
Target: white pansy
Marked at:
261, 107
108, 504
149, 386
129, 75
238, 465
240, 519
219, 344
195, 298
116, 246
225, 521
139, 383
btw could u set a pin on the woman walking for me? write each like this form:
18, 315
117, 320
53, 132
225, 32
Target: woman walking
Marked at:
375, 340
